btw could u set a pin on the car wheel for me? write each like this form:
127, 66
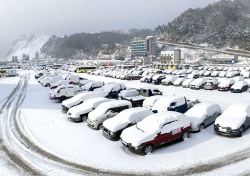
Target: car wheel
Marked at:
185, 135
47, 85
62, 99
100, 126
148, 149
201, 127
241, 131
83, 118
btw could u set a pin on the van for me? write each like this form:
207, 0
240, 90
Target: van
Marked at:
105, 111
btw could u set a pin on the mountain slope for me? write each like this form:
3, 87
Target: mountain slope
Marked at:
226, 23
28, 45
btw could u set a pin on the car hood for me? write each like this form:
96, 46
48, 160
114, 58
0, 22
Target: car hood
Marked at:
80, 109
75, 100
231, 121
114, 124
96, 115
136, 137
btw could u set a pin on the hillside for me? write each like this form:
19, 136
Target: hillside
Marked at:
28, 45
91, 44
226, 23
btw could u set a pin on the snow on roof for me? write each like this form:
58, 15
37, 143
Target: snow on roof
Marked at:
201, 108
155, 121
151, 100
161, 104
105, 106
129, 93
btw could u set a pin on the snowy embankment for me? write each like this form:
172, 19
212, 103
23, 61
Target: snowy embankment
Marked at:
49, 128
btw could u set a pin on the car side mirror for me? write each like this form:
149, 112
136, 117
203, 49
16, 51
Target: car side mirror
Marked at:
158, 134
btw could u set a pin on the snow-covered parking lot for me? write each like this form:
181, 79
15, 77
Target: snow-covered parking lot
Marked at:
50, 129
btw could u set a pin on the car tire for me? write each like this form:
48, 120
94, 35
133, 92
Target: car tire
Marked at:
83, 118
48, 85
185, 135
241, 131
100, 126
148, 149
62, 99
201, 127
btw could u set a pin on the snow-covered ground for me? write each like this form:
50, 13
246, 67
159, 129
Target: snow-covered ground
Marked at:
51, 130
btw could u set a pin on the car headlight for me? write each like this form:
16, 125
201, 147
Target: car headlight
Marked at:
111, 133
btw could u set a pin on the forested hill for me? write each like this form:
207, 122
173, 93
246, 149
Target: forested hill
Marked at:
90, 43
225, 23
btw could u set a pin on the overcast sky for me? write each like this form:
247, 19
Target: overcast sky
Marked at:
59, 17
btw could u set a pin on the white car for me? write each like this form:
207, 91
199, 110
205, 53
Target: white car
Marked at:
198, 83
234, 120
80, 112
48, 82
105, 111
230, 74
203, 115
64, 92
169, 79
80, 98
156, 130
222, 74
187, 82
112, 128
179, 81
239, 87
149, 101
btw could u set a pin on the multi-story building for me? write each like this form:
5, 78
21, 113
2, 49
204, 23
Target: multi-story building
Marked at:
171, 57
224, 59
143, 47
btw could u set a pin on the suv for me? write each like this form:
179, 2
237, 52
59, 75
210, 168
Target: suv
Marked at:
105, 111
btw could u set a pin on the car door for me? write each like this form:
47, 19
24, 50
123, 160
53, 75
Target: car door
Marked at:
164, 135
247, 121
70, 92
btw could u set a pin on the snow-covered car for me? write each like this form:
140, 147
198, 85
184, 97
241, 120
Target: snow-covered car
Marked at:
147, 78
80, 112
64, 92
246, 74
126, 94
226, 85
203, 115
179, 81
80, 98
238, 78
234, 120
112, 89
169, 79
215, 74
170, 103
92, 86
198, 83
105, 111
193, 76
207, 73
187, 83
239, 87
230, 74
156, 130
149, 101
156, 79
41, 73
222, 74
137, 99
211, 84
112, 128
48, 82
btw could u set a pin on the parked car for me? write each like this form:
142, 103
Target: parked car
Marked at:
137, 100
226, 85
105, 111
156, 130
112, 128
203, 115
230, 74
198, 83
80, 112
211, 84
170, 103
179, 81
193, 76
246, 74
169, 80
149, 101
222, 74
92, 86
239, 87
187, 83
64, 92
112, 89
80, 98
215, 73
234, 120
158, 78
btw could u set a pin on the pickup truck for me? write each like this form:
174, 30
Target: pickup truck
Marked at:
137, 97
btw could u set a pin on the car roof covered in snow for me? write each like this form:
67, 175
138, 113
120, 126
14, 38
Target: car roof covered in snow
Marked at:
165, 101
105, 106
129, 93
202, 108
